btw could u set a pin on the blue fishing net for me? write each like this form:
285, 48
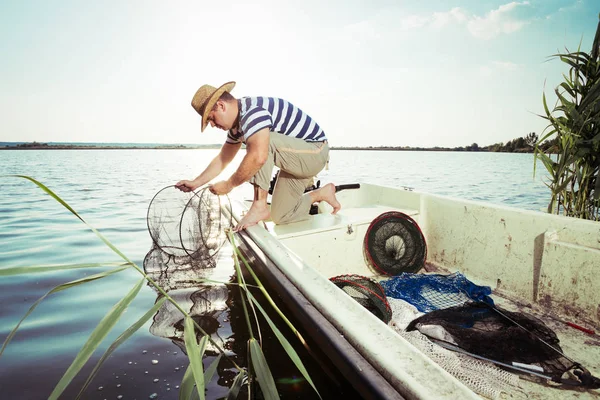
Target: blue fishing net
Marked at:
435, 292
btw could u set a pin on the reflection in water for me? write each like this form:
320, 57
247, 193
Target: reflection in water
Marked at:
211, 305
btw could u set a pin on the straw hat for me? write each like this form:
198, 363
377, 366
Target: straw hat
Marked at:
205, 99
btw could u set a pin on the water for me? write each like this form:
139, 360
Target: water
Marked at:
111, 189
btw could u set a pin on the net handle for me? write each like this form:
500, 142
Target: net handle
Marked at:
339, 188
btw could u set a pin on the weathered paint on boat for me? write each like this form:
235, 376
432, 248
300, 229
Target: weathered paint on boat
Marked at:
535, 262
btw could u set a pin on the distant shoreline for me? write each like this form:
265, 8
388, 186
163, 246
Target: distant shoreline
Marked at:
46, 146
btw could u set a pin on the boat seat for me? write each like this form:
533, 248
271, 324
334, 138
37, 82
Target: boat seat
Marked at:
325, 222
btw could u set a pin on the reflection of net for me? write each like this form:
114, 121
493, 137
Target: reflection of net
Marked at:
394, 243
191, 224
479, 329
171, 272
367, 293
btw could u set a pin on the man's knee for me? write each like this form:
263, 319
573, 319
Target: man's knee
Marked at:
278, 216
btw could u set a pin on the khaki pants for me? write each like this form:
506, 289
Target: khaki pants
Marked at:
299, 161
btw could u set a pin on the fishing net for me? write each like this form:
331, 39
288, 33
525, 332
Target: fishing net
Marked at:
171, 272
498, 335
483, 377
367, 292
189, 224
394, 243
429, 292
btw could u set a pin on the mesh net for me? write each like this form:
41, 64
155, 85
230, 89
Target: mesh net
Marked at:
394, 243
191, 224
516, 337
367, 293
435, 291
483, 377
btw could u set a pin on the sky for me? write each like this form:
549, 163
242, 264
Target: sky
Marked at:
371, 72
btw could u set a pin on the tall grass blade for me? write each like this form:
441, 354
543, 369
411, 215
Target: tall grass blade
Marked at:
195, 353
186, 391
123, 337
57, 289
212, 368
263, 373
35, 269
238, 382
68, 207
94, 340
286, 345
187, 384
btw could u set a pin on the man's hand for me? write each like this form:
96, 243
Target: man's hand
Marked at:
186, 186
219, 188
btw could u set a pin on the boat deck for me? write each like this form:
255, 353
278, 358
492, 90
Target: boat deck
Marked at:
327, 222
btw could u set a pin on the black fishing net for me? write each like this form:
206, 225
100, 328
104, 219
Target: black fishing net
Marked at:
192, 224
497, 335
394, 244
367, 293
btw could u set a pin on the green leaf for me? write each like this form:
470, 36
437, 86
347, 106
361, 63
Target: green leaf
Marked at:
285, 344
68, 207
597, 186
34, 269
94, 340
57, 289
212, 368
238, 382
122, 338
187, 384
195, 353
263, 373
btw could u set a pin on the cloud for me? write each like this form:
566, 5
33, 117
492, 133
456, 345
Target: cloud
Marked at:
441, 19
496, 67
503, 20
497, 22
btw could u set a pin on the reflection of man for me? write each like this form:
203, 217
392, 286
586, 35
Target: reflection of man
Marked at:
276, 133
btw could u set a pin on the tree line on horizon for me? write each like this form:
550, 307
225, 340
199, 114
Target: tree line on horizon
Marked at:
525, 144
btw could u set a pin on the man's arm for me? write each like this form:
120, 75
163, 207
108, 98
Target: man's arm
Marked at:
216, 166
257, 151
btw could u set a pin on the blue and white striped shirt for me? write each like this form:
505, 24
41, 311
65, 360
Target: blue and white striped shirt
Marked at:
278, 115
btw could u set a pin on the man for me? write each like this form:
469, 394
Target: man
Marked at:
276, 133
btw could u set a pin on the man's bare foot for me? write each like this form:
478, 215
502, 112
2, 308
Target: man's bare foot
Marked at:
326, 194
258, 212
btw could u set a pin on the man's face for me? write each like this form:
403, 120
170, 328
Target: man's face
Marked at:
222, 116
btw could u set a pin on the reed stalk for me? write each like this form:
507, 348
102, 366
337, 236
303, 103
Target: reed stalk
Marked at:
574, 163
195, 376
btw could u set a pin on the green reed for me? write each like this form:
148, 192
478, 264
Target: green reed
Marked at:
574, 162
195, 376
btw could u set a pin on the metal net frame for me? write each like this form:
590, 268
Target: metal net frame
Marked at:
189, 224
394, 243
367, 292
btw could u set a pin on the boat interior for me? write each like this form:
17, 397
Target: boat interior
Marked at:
538, 264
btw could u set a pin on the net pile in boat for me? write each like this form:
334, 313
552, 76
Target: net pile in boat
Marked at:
394, 244
429, 292
499, 335
189, 224
367, 292
483, 377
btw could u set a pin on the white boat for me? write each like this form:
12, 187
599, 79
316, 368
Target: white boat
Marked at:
536, 263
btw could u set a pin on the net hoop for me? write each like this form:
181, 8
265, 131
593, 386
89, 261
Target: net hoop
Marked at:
401, 228
372, 295
185, 224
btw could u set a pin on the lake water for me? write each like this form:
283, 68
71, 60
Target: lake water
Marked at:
111, 189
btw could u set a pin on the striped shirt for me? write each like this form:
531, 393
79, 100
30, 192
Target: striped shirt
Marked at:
278, 115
